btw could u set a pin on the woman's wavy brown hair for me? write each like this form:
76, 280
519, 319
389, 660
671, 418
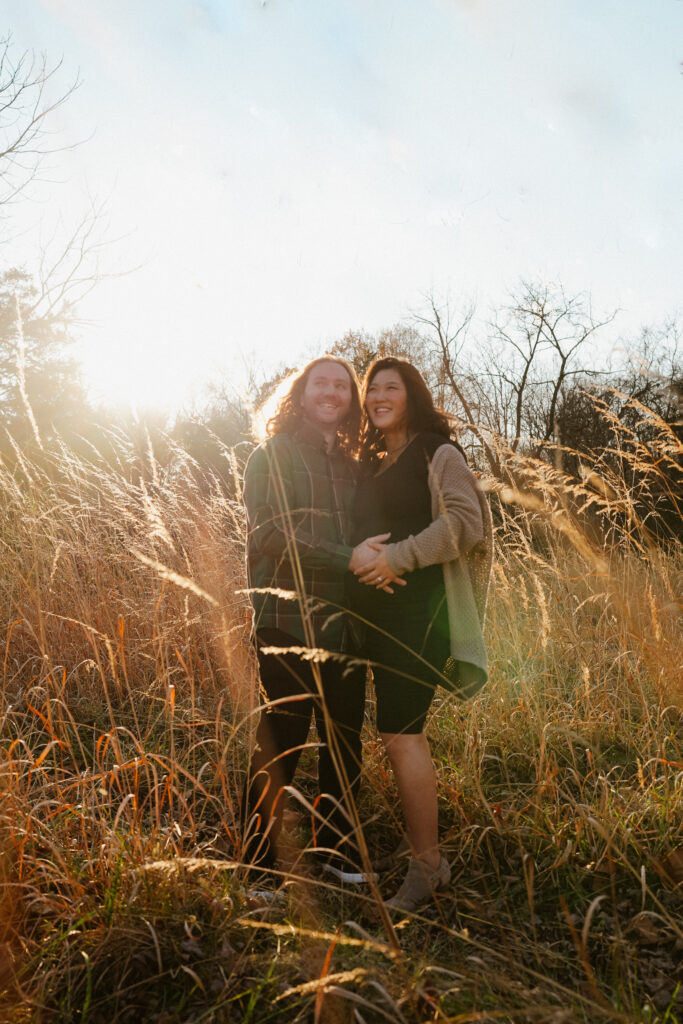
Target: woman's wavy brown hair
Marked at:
422, 414
288, 415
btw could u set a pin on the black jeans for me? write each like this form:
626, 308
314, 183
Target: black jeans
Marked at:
283, 731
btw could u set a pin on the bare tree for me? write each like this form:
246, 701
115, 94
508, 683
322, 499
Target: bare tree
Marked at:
448, 337
506, 385
26, 106
654, 369
69, 267
532, 356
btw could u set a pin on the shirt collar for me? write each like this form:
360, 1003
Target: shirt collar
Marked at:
308, 434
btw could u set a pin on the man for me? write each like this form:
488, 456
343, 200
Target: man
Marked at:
298, 492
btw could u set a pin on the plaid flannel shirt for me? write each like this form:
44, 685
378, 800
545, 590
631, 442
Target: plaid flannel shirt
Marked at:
298, 498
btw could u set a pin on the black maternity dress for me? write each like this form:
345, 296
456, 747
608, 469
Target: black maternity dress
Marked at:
406, 633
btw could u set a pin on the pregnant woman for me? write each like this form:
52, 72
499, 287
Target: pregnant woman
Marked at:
418, 487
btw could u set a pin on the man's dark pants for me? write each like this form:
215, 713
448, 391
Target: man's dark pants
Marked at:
281, 734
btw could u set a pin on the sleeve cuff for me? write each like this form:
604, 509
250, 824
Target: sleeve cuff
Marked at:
341, 556
393, 557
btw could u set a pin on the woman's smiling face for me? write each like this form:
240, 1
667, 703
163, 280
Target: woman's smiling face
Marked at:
386, 400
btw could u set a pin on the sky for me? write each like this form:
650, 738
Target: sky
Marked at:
278, 172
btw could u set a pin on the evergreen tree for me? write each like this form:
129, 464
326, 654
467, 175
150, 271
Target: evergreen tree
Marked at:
40, 382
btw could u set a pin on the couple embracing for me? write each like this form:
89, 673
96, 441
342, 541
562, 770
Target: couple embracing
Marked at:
370, 539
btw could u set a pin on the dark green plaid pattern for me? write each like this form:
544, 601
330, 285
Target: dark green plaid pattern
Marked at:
298, 498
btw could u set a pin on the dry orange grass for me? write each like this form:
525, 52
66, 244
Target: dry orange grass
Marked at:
128, 699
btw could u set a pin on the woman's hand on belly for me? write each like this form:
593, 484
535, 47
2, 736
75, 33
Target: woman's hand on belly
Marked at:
377, 572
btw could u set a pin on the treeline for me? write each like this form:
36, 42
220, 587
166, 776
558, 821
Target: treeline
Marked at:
538, 379
539, 383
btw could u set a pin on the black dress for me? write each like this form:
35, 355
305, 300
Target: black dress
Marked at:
407, 637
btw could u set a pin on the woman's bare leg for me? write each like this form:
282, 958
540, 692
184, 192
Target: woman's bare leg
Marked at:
411, 761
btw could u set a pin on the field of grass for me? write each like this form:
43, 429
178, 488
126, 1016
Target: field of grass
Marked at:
128, 706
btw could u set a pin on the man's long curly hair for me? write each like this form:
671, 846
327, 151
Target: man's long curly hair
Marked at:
288, 415
421, 413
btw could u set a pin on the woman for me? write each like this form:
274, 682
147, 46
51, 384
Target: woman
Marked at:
298, 491
420, 490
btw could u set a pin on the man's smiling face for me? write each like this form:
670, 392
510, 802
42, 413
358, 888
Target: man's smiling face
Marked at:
327, 396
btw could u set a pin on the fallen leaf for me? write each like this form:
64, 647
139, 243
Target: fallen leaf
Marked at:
671, 866
648, 932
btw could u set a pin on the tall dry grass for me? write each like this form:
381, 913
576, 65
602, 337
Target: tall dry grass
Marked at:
128, 705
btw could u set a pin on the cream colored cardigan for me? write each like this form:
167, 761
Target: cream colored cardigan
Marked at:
460, 537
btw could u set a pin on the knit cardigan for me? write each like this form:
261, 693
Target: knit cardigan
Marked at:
460, 537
